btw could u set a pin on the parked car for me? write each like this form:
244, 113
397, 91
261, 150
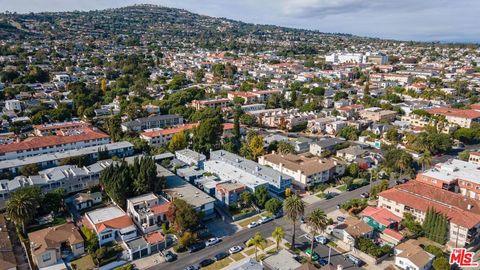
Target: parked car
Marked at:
206, 262
302, 220
365, 195
340, 219
235, 249
221, 255
338, 206
253, 224
196, 247
169, 256
192, 267
321, 239
323, 262
314, 255
212, 241
356, 261
264, 220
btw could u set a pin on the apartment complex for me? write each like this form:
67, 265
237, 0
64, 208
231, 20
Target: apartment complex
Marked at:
416, 198
231, 167
462, 118
64, 140
210, 103
157, 121
306, 170
377, 114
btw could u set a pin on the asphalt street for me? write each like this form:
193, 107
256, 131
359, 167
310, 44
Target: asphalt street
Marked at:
240, 237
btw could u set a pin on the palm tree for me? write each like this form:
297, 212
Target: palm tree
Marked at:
317, 221
278, 234
426, 160
403, 162
21, 207
258, 241
294, 208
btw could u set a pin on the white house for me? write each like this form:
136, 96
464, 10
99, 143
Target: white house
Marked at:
410, 256
110, 223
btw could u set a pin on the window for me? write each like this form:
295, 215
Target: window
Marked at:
46, 257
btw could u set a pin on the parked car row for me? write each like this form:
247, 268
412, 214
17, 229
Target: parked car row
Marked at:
219, 256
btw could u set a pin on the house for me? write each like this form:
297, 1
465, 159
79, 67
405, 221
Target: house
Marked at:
110, 223
210, 103
148, 211
282, 260
229, 193
161, 137
49, 245
231, 167
380, 218
83, 201
157, 121
415, 197
13, 105
410, 256
351, 229
377, 114
325, 144
306, 170
351, 153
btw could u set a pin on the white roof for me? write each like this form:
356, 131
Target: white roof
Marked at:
105, 214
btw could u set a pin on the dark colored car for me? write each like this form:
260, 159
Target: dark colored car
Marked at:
192, 267
169, 256
206, 262
323, 262
340, 219
221, 255
196, 247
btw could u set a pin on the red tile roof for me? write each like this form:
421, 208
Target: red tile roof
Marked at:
116, 223
381, 215
160, 208
447, 111
46, 141
154, 237
394, 234
169, 131
422, 196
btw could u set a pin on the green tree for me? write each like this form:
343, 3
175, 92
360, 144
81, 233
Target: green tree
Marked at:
91, 239
425, 160
178, 142
259, 242
273, 206
22, 206
247, 198
207, 135
53, 201
278, 235
261, 196
441, 263
29, 169
293, 208
349, 133
285, 148
183, 216
317, 222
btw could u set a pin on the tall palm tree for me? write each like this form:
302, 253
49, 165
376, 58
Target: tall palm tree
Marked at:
403, 162
294, 208
426, 160
21, 207
317, 221
278, 235
258, 241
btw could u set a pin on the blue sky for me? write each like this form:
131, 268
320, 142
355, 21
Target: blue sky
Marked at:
426, 20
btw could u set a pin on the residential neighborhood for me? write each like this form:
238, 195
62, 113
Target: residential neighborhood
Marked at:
147, 137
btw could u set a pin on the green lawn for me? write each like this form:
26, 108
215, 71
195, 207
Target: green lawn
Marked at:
250, 252
219, 265
237, 256
56, 221
247, 221
342, 188
84, 263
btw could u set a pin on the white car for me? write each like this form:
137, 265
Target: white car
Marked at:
212, 241
253, 225
264, 220
321, 239
235, 249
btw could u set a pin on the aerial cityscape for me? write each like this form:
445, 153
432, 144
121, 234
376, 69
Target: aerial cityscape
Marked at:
150, 137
